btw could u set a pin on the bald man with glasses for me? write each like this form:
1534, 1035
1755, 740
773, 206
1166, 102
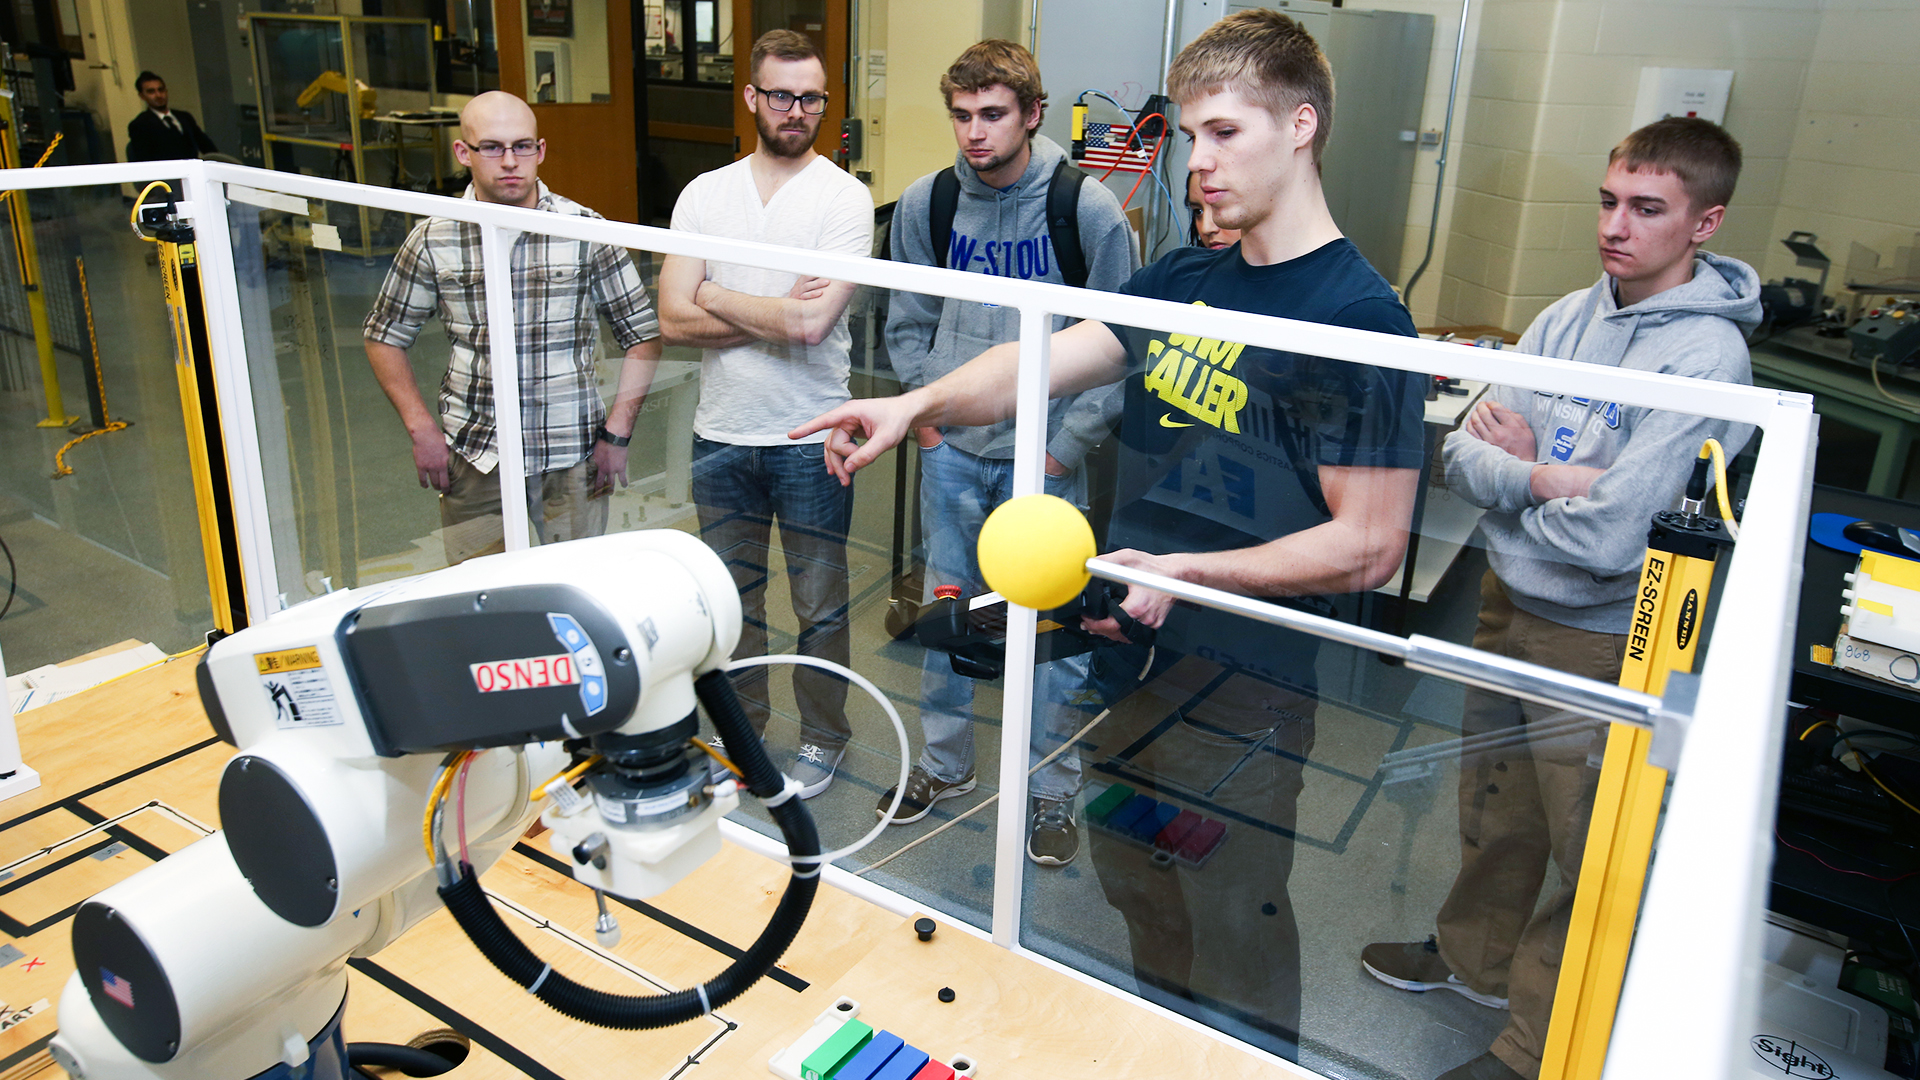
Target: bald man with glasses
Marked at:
575, 446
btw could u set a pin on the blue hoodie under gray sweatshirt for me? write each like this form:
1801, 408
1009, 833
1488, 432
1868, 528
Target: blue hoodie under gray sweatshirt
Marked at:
1004, 232
1577, 561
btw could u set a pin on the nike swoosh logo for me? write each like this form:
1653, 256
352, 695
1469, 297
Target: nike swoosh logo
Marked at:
1167, 420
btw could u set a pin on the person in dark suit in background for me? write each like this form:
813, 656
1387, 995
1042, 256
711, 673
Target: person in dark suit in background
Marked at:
160, 133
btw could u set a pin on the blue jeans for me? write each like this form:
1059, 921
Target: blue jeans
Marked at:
740, 491
957, 492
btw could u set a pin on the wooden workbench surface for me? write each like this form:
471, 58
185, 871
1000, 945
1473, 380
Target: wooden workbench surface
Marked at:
141, 747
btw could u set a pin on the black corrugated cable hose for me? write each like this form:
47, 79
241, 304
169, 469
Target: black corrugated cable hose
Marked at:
475, 914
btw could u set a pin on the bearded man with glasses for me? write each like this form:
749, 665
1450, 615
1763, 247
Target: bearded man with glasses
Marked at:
575, 447
775, 353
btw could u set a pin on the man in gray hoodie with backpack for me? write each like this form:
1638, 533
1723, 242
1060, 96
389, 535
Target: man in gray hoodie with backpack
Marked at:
1011, 206
1569, 486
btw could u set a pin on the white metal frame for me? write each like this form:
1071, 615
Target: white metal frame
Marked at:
1703, 905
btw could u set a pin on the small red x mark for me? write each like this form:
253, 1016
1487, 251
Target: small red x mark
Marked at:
34, 963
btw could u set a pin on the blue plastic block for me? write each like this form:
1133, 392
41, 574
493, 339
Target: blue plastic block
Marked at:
904, 1065
871, 1058
1123, 818
1148, 825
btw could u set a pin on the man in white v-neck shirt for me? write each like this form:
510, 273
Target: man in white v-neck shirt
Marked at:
775, 353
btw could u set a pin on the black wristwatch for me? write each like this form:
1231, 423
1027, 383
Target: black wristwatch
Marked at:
609, 437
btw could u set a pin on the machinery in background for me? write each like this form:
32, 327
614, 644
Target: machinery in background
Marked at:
1799, 312
458, 693
1887, 336
335, 82
318, 78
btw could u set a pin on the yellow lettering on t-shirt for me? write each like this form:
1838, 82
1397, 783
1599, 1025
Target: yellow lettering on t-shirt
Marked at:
1191, 374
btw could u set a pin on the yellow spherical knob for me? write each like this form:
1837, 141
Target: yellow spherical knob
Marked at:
1034, 551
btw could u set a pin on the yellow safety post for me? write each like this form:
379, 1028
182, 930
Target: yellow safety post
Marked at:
186, 314
29, 256
1675, 580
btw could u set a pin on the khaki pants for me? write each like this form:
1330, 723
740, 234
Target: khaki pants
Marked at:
560, 504
1521, 803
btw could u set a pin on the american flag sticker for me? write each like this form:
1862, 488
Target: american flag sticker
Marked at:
116, 987
1115, 146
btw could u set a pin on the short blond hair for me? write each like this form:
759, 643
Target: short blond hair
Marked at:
782, 45
1270, 59
991, 63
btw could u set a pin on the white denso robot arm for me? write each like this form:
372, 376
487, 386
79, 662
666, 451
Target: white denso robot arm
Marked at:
351, 714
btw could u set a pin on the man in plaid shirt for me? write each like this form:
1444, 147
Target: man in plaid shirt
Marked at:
575, 447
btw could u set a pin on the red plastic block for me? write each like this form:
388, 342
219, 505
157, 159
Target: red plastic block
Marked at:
1201, 841
935, 1070
1176, 831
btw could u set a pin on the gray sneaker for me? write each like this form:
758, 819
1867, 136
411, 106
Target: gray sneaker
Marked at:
1052, 837
1416, 966
814, 767
923, 790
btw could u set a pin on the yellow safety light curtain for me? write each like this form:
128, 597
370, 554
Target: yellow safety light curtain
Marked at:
193, 367
1675, 582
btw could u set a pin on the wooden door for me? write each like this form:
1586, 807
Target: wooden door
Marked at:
825, 21
592, 152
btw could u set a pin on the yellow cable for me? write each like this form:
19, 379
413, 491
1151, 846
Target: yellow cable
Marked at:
715, 754
439, 792
1906, 403
21, 193
1711, 448
60, 467
569, 775
1883, 787
49, 152
133, 218
1811, 728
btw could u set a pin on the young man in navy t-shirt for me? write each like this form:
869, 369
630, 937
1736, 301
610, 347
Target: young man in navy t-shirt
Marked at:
1269, 474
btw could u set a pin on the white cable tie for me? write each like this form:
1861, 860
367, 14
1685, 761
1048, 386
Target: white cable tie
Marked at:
566, 725
544, 972
706, 1007
804, 875
793, 787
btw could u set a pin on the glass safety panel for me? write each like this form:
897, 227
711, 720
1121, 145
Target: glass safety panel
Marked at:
97, 504
1280, 835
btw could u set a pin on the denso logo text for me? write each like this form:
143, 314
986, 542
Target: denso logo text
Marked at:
526, 673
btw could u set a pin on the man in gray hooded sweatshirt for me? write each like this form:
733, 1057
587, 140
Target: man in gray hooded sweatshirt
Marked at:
999, 226
1569, 486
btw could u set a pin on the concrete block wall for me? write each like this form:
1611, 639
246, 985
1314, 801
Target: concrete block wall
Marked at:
1852, 174
1553, 90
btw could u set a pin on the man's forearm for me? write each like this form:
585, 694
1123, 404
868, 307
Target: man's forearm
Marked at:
636, 378
1330, 558
975, 394
779, 320
394, 372
689, 324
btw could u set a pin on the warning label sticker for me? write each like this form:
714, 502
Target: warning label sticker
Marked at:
298, 688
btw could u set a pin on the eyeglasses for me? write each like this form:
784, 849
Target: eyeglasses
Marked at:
523, 148
782, 101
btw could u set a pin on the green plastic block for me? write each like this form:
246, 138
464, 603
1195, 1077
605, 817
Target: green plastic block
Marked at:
1110, 800
839, 1047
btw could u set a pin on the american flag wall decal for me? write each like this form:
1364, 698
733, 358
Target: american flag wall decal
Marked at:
1107, 149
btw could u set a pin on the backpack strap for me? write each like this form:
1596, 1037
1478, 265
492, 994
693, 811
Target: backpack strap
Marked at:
945, 203
1063, 223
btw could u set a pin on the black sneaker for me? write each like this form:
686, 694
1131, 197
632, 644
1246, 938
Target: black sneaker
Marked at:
1416, 966
923, 790
1052, 838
